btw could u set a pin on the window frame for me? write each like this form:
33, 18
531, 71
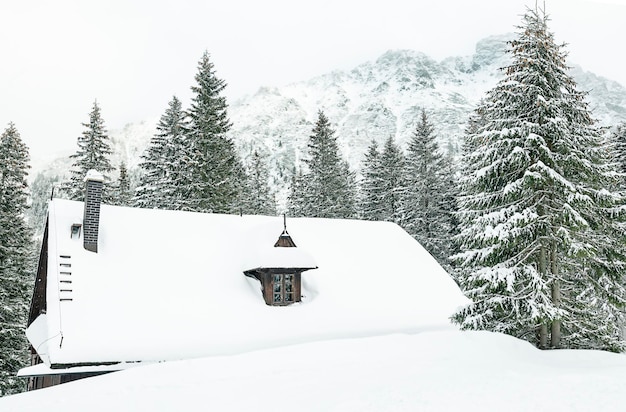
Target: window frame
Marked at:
283, 288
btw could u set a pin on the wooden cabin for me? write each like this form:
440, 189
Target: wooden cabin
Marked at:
119, 287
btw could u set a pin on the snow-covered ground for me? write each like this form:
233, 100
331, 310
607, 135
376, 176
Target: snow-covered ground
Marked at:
428, 371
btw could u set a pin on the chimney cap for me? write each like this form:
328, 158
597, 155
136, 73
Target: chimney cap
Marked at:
94, 176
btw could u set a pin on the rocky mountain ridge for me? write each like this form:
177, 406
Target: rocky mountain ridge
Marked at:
373, 101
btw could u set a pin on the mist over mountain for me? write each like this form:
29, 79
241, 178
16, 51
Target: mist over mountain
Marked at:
373, 101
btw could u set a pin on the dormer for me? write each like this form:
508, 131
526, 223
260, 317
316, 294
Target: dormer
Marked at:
279, 269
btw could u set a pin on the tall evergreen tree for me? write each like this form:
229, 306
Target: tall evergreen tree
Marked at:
93, 153
298, 202
257, 198
393, 182
541, 257
214, 168
15, 255
40, 193
619, 141
164, 181
122, 193
371, 187
429, 202
327, 189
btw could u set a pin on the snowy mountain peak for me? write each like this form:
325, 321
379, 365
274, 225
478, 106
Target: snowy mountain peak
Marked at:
492, 50
373, 101
409, 61
406, 69
265, 91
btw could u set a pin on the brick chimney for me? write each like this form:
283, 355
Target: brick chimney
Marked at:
91, 219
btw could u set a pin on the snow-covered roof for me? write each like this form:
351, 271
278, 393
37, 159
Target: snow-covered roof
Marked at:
170, 285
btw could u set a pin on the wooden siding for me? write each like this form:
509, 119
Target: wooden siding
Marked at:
38, 302
45, 381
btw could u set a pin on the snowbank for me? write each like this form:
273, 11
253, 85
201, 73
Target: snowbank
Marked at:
431, 371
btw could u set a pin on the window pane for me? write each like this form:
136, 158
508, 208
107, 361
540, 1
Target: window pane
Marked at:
277, 297
288, 297
277, 278
277, 287
288, 287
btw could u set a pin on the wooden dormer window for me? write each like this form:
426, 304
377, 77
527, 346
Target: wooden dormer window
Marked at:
279, 269
279, 286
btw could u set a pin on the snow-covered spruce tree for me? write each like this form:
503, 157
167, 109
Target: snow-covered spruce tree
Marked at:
15, 259
93, 153
258, 198
541, 257
393, 183
619, 141
430, 198
327, 188
40, 193
214, 169
371, 185
299, 200
164, 180
122, 194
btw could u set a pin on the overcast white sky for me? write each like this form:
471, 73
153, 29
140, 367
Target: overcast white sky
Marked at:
58, 56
